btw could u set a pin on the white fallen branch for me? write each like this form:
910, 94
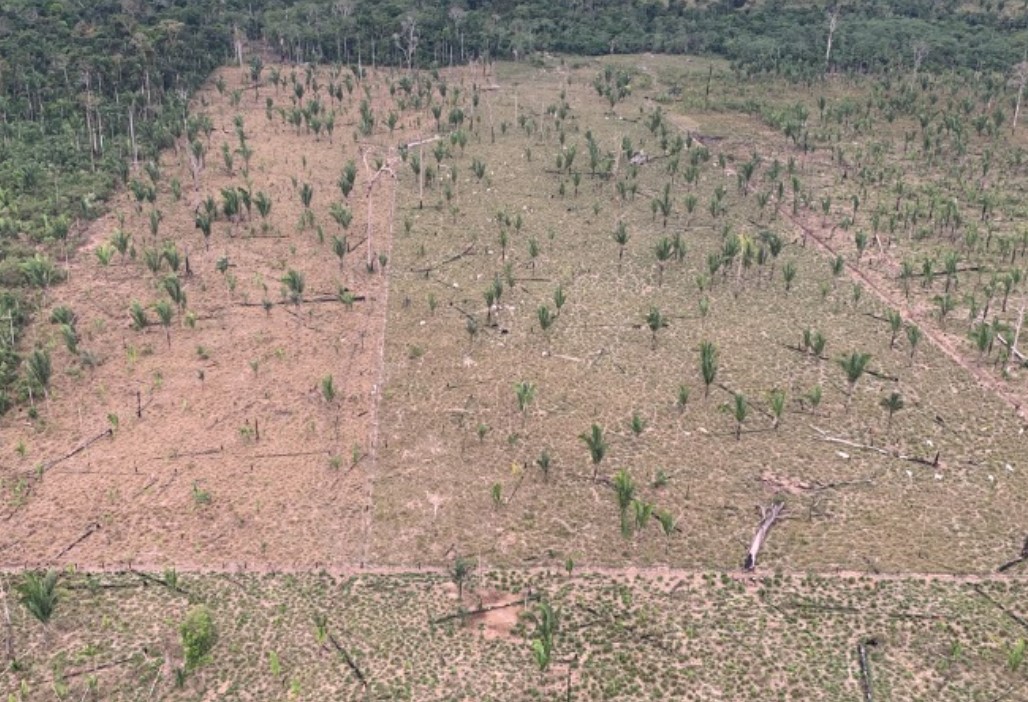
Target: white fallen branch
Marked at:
825, 436
768, 517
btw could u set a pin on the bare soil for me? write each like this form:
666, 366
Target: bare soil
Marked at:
237, 455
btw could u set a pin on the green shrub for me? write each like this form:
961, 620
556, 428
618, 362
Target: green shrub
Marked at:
198, 636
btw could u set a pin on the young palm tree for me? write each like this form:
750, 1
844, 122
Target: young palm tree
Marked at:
525, 393
643, 511
788, 274
173, 286
817, 343
946, 305
663, 251
544, 461
306, 195
895, 324
914, 335
547, 622
38, 592
814, 396
203, 222
71, 338
664, 203
621, 238
838, 265
854, 366
624, 488
950, 263
708, 365
138, 314
983, 336
545, 317
165, 312
655, 321
860, 240
739, 410
892, 404
294, 283
596, 445
341, 214
460, 573
38, 371
230, 203
668, 525
775, 245
777, 401
339, 248
559, 298
263, 203
121, 240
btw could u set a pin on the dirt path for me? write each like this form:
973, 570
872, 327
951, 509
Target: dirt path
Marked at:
877, 285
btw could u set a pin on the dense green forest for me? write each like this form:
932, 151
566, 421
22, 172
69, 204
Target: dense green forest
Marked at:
88, 89
871, 35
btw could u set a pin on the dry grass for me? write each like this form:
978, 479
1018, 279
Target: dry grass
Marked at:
113, 637
434, 479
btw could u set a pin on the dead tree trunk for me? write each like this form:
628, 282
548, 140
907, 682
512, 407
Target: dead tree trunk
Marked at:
833, 21
1013, 353
865, 667
768, 517
1021, 77
9, 646
1021, 559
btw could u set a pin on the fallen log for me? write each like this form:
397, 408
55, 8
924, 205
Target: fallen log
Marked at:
841, 609
1023, 558
190, 454
768, 517
79, 449
1010, 564
146, 577
90, 530
805, 352
521, 479
998, 605
9, 629
865, 667
1013, 343
825, 436
491, 608
938, 274
305, 301
349, 661
291, 454
752, 406
94, 669
880, 374
451, 259
105, 586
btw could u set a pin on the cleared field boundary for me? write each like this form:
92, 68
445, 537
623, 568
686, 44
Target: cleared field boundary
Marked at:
345, 570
